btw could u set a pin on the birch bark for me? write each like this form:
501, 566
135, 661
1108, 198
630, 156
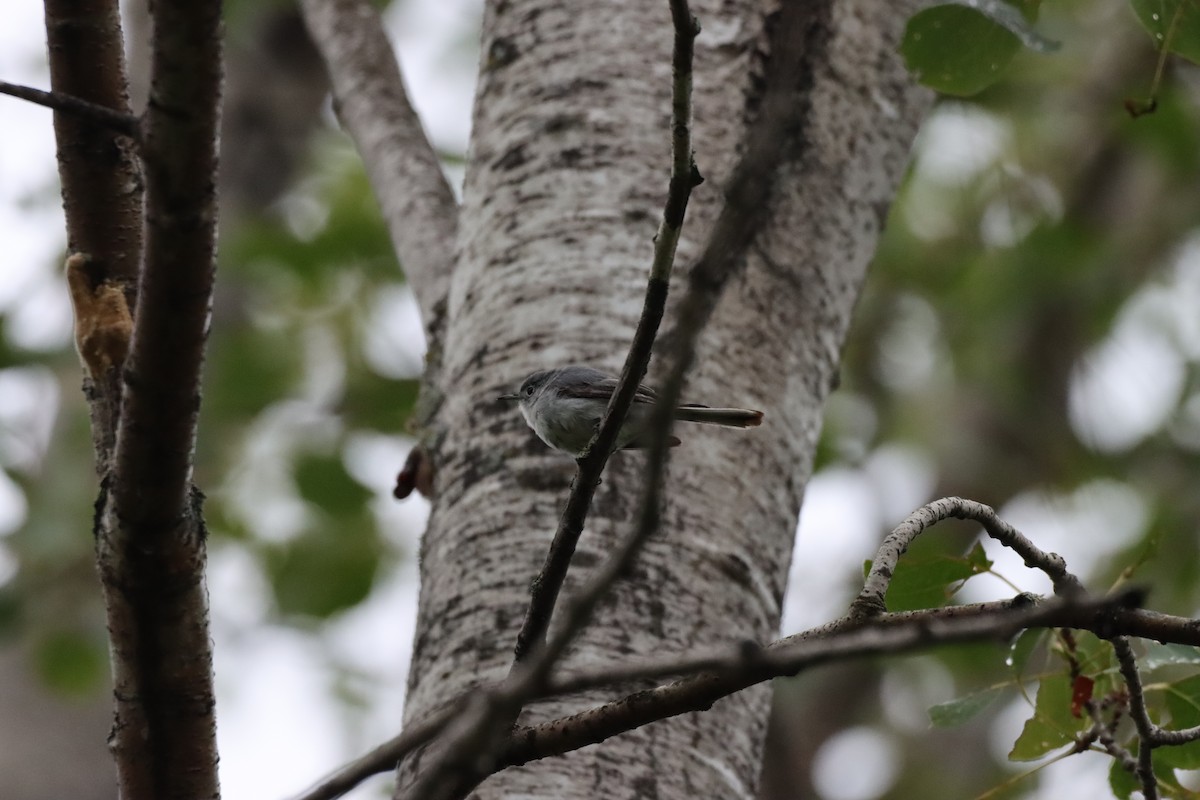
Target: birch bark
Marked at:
566, 178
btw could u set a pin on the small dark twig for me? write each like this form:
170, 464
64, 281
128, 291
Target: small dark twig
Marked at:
116, 121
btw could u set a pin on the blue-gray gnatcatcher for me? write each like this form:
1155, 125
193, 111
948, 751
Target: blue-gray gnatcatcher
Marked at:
564, 407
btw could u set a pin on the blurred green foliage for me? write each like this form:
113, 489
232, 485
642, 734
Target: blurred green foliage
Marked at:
1037, 219
1040, 228
289, 382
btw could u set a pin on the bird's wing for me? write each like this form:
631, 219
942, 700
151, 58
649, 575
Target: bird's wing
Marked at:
603, 388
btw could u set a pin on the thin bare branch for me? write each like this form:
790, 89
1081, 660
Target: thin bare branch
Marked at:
120, 122
150, 530
405, 173
870, 600
384, 757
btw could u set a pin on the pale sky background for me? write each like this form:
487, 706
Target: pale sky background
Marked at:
279, 729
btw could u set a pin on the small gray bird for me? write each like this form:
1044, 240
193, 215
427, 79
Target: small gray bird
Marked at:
564, 407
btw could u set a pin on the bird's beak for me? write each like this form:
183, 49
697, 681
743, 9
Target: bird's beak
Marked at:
508, 397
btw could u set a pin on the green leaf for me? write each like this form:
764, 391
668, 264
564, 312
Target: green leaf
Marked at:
961, 48
1023, 646
929, 581
377, 402
70, 662
961, 709
323, 481
1052, 725
1161, 655
977, 558
1183, 701
1014, 20
322, 573
1122, 782
1174, 24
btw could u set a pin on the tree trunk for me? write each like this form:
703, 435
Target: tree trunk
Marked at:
565, 183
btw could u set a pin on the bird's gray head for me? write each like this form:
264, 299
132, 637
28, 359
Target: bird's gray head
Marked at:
531, 386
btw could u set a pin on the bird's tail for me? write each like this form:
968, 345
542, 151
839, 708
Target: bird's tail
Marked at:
733, 417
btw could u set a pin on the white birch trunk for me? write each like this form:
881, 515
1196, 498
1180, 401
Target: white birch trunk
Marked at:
565, 184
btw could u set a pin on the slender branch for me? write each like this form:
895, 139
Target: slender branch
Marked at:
870, 600
384, 757
120, 122
404, 169
750, 655
150, 529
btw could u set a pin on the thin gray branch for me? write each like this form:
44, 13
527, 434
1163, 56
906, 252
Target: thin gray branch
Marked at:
870, 600
405, 173
1141, 717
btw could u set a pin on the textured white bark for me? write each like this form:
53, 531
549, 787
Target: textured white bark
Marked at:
566, 177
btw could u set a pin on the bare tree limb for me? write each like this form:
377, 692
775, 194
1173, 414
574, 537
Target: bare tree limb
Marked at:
870, 600
710, 676
384, 757
150, 531
369, 96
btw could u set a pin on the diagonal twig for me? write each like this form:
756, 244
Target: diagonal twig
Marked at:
120, 122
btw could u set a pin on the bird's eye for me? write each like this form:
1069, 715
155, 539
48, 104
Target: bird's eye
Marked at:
527, 391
